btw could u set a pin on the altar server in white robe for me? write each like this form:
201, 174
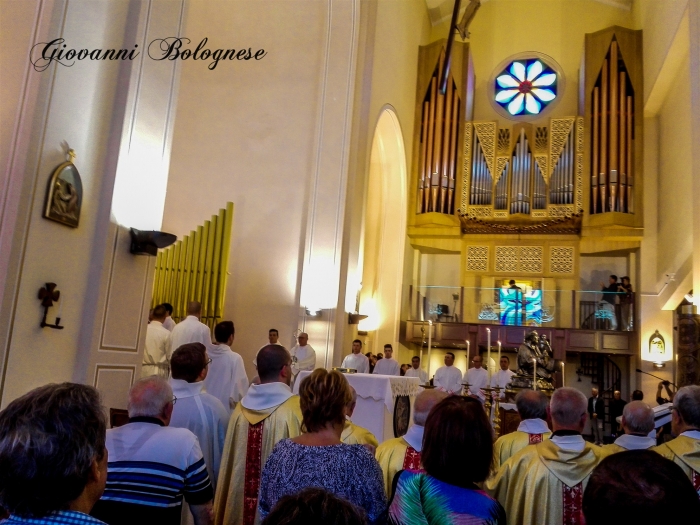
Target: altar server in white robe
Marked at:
356, 360
387, 366
226, 379
168, 324
201, 413
417, 371
303, 356
448, 378
501, 378
190, 330
156, 354
477, 377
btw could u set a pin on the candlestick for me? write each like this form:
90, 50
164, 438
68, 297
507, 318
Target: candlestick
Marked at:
534, 373
562, 374
496, 412
430, 342
488, 353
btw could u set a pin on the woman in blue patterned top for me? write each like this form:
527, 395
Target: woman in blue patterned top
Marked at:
457, 453
318, 458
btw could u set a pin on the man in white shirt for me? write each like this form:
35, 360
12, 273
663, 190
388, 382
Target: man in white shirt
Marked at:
387, 366
356, 359
226, 378
417, 371
156, 354
273, 337
303, 356
169, 324
195, 410
448, 378
501, 378
478, 378
190, 330
637, 423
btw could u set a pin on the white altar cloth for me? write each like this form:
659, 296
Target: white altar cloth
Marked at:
376, 395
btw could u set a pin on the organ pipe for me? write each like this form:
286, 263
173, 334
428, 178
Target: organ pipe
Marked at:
602, 177
453, 153
431, 131
596, 132
424, 172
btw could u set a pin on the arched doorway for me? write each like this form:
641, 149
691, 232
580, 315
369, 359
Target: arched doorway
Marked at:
384, 234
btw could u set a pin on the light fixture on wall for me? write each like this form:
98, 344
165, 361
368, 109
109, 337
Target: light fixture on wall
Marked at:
657, 350
49, 295
148, 242
313, 311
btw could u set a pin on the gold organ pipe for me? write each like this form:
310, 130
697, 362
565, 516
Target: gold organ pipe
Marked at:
630, 159
453, 152
596, 131
214, 268
155, 300
223, 267
603, 178
201, 259
186, 277
168, 273
208, 261
431, 129
198, 234
177, 292
614, 121
623, 143
423, 156
447, 138
437, 146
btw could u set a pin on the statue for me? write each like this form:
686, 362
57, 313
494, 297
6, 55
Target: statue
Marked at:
539, 349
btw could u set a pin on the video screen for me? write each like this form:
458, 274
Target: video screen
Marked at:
520, 307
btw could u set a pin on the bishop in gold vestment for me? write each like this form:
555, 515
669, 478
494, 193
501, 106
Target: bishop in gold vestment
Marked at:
267, 414
684, 451
356, 435
530, 432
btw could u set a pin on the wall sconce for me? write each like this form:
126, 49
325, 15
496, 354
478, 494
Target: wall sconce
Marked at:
148, 242
356, 318
48, 294
313, 311
657, 350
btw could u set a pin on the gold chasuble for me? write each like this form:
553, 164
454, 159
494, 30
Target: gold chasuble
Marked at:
393, 456
543, 484
684, 451
251, 436
356, 435
506, 446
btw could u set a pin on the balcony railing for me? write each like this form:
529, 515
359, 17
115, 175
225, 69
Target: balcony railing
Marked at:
581, 309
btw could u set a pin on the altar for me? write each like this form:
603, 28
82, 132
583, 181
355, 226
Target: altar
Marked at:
384, 403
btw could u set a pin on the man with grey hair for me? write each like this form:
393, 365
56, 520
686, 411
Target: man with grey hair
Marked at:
53, 461
637, 423
404, 452
684, 450
152, 466
190, 329
532, 407
557, 468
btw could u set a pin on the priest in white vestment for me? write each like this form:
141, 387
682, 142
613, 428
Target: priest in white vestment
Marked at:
201, 413
303, 356
272, 339
190, 330
477, 377
501, 378
417, 371
168, 324
356, 359
156, 354
637, 423
448, 378
387, 366
226, 380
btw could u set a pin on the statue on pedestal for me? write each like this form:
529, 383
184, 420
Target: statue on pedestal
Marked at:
538, 349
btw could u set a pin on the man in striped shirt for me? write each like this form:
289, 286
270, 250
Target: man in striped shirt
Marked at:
152, 467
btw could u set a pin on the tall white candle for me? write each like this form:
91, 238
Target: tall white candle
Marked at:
563, 376
534, 373
488, 352
430, 342
498, 363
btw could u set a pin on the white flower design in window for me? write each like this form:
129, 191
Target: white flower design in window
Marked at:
525, 87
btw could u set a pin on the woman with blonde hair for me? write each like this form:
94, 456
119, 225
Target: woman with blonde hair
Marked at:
318, 458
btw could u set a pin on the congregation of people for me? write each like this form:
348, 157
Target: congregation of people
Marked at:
204, 445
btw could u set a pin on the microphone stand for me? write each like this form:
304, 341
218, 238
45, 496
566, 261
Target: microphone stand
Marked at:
657, 377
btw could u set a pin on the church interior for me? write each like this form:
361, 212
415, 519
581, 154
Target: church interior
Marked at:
366, 173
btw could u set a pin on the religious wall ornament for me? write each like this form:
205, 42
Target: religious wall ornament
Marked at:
402, 415
64, 196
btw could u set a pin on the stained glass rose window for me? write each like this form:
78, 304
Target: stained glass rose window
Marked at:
525, 87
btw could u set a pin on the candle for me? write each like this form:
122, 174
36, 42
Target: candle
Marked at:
534, 373
430, 342
499, 354
488, 353
562, 374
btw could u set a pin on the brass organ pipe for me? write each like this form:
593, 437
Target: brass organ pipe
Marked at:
526, 182
623, 143
475, 170
521, 186
446, 150
572, 162
437, 146
630, 159
513, 177
614, 176
594, 170
453, 152
424, 159
603, 179
429, 162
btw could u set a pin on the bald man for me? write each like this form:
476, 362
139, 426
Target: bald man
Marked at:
637, 423
303, 356
190, 329
354, 434
404, 452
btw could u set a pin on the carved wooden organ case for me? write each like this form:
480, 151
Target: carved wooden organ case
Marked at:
552, 175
